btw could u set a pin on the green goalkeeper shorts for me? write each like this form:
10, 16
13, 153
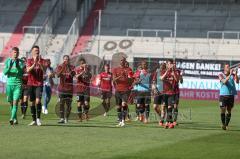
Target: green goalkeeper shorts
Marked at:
13, 92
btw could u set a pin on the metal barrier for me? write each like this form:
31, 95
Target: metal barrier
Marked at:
223, 34
45, 34
69, 42
35, 28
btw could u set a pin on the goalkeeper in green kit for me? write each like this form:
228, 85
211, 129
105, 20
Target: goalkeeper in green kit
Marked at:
13, 69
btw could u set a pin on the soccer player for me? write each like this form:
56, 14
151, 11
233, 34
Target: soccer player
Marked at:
35, 70
169, 78
65, 72
227, 93
157, 88
47, 84
83, 76
130, 87
143, 81
13, 69
177, 92
121, 84
24, 95
105, 86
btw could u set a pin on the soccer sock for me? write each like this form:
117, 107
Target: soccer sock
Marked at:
25, 107
108, 106
124, 113
15, 108
86, 109
228, 118
69, 108
175, 114
33, 112
137, 110
169, 115
39, 109
141, 110
14, 112
157, 111
22, 107
104, 104
162, 117
119, 114
61, 109
147, 110
223, 118
79, 112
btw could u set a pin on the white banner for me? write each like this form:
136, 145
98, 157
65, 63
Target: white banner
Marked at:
207, 84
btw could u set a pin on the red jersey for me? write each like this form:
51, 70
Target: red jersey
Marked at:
176, 83
83, 81
106, 81
123, 75
35, 76
66, 78
168, 84
25, 78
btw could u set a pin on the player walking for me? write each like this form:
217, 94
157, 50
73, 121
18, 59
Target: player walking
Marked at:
24, 95
13, 69
65, 72
105, 86
121, 84
35, 70
227, 93
143, 81
83, 76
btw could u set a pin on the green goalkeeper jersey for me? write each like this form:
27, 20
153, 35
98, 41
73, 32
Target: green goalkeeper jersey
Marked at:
14, 70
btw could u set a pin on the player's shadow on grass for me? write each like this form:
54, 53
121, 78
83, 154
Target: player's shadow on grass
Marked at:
79, 125
204, 126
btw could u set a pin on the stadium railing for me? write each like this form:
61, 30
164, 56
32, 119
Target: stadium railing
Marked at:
47, 29
223, 35
69, 42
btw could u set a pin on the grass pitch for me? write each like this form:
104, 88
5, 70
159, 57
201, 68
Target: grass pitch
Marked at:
198, 136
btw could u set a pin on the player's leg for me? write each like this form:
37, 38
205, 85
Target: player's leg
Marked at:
124, 106
147, 102
156, 107
9, 93
171, 102
164, 109
32, 97
48, 98
39, 104
222, 104
44, 98
25, 102
17, 91
69, 108
80, 104
175, 110
86, 105
118, 107
229, 110
140, 105
62, 100
104, 103
22, 103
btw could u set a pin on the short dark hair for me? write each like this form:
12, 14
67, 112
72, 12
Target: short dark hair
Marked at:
66, 56
35, 46
82, 59
170, 60
15, 49
107, 65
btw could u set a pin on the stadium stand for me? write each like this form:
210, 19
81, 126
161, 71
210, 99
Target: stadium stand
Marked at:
26, 19
194, 20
